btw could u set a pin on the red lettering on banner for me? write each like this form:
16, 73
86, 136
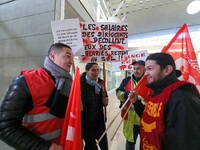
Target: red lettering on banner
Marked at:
97, 28
85, 58
130, 66
122, 67
117, 46
81, 25
86, 40
109, 56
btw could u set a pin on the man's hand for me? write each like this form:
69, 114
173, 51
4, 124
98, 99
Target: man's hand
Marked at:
133, 96
56, 147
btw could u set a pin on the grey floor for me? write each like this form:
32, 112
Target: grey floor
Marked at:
118, 141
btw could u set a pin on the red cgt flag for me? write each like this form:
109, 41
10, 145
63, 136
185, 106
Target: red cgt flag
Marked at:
142, 89
71, 138
181, 49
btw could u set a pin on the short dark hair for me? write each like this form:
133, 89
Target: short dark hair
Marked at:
89, 65
162, 59
57, 47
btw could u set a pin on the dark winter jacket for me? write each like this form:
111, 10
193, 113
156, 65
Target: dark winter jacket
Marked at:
92, 104
15, 104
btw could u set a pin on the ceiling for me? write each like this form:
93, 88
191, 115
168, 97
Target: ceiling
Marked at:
145, 16
153, 15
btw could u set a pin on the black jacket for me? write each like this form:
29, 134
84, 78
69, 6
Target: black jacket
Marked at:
92, 104
182, 120
15, 104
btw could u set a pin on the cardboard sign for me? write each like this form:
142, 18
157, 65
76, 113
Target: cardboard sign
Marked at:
131, 57
68, 32
104, 42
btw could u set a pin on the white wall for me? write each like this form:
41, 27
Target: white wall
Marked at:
25, 36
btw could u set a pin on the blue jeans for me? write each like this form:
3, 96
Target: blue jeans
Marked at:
131, 145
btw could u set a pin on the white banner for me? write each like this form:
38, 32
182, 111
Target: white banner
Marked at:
68, 32
104, 42
131, 57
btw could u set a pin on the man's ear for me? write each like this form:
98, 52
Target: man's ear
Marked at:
52, 55
168, 69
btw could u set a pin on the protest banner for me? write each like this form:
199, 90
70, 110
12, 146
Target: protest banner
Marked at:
68, 32
125, 65
104, 42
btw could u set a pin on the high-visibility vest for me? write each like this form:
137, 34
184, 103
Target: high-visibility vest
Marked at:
131, 118
39, 120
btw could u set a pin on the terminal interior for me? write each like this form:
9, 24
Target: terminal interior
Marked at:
26, 34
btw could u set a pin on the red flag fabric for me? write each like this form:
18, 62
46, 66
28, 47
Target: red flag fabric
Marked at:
142, 89
71, 138
181, 49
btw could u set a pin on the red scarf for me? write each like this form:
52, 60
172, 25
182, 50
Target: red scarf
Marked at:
152, 126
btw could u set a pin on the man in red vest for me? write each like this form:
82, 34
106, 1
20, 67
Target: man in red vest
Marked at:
131, 120
33, 108
171, 117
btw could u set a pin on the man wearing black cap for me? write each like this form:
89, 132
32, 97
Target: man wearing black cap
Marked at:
131, 119
171, 117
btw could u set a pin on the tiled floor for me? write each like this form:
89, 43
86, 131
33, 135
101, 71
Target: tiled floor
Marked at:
118, 141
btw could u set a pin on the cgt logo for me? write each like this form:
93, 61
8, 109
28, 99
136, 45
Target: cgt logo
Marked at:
190, 71
147, 146
183, 66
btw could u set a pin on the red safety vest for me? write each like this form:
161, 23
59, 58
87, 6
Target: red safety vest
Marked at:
128, 88
152, 127
39, 120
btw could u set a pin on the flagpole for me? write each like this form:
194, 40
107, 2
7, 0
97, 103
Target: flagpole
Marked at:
121, 121
104, 78
97, 142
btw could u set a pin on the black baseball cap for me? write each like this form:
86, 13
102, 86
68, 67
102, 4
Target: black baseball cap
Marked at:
140, 62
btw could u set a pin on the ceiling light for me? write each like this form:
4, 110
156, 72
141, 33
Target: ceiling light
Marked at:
128, 1
140, 2
193, 7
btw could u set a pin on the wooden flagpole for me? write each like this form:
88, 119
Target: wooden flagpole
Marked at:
112, 121
104, 79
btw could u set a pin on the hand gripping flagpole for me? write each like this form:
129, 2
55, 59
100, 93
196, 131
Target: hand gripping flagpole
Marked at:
97, 141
